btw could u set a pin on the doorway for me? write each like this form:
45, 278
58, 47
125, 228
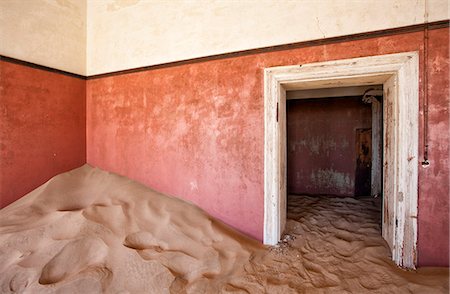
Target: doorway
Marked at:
398, 73
329, 142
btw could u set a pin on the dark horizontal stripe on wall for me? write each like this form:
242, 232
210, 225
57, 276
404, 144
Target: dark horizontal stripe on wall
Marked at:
347, 38
41, 67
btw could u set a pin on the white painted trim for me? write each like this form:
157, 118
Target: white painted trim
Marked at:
401, 166
377, 149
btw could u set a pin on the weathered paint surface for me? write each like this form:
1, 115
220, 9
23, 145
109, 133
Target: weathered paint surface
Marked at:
42, 128
321, 144
197, 131
377, 144
434, 192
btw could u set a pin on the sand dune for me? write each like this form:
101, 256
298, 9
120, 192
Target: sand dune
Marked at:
89, 231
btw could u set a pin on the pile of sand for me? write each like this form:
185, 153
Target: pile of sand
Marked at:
89, 231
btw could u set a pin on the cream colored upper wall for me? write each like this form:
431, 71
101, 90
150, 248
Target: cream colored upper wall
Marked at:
103, 36
46, 32
124, 34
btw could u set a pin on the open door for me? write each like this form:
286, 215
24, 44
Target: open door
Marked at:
363, 162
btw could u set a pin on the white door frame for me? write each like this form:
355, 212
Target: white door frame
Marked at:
399, 74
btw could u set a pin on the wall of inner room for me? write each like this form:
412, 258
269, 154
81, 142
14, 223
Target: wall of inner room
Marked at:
321, 144
42, 127
197, 131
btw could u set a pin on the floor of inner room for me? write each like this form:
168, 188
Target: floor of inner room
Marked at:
335, 244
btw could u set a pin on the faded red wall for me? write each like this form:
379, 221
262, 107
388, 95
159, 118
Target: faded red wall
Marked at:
197, 131
321, 144
434, 192
42, 127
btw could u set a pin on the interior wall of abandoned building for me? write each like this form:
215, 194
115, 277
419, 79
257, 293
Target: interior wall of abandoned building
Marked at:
207, 133
42, 127
196, 130
322, 142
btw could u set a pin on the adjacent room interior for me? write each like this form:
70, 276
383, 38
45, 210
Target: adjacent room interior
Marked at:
330, 142
334, 144
334, 155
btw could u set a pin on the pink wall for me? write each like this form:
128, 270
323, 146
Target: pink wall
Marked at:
42, 127
321, 144
185, 131
434, 192
196, 131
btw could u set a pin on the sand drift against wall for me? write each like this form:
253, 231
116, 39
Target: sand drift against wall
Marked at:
89, 231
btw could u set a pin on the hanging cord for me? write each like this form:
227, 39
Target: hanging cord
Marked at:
425, 161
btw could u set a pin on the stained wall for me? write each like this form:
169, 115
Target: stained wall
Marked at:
321, 144
196, 131
434, 192
42, 127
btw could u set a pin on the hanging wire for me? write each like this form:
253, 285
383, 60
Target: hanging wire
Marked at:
425, 105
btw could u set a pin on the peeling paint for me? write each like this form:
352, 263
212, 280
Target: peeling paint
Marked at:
333, 180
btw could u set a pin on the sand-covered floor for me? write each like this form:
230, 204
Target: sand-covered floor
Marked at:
334, 245
89, 231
